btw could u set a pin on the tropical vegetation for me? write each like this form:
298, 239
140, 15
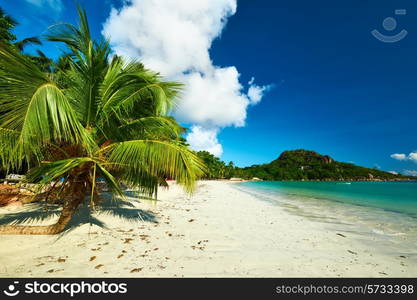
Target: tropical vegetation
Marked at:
299, 165
309, 165
90, 117
7, 24
216, 168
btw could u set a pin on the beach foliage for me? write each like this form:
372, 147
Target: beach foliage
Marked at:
215, 167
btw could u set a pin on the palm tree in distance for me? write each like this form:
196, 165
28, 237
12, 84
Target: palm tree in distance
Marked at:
99, 117
7, 24
20, 45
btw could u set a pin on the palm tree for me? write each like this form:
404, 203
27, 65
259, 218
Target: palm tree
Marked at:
7, 23
101, 117
20, 45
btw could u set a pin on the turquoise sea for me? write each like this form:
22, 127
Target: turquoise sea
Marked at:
377, 212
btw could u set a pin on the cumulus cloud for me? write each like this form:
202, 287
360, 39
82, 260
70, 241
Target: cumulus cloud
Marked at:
205, 139
393, 172
174, 37
213, 98
410, 172
56, 5
404, 157
256, 92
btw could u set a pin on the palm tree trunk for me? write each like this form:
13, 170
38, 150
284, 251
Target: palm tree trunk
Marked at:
68, 211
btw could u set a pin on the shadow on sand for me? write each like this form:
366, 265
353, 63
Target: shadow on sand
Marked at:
36, 212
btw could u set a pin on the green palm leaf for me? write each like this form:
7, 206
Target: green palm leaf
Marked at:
50, 171
156, 158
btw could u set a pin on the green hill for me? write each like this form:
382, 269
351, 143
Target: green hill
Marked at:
309, 165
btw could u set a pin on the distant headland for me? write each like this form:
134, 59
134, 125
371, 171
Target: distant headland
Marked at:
299, 165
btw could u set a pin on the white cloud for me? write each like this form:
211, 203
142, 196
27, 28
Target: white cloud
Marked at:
410, 172
393, 172
401, 156
205, 139
213, 99
174, 37
56, 5
256, 92
413, 156
398, 156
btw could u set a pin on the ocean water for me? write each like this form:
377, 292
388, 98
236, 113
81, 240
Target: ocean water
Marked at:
382, 213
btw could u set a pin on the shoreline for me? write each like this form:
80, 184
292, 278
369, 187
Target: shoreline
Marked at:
320, 180
219, 232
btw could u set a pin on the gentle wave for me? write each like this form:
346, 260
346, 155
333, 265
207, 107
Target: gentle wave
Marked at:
384, 212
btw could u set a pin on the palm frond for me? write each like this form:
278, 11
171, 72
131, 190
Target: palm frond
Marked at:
32, 104
27, 41
158, 159
20, 76
129, 89
153, 127
88, 61
50, 171
76, 38
8, 142
111, 181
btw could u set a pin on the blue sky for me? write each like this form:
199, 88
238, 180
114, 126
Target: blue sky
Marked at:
336, 88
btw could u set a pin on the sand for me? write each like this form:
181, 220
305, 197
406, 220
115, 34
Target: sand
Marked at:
219, 232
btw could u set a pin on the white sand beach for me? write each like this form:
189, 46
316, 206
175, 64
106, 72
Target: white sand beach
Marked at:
218, 232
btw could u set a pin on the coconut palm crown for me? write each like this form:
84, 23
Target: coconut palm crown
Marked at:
100, 118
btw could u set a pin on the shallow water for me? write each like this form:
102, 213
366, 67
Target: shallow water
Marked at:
382, 214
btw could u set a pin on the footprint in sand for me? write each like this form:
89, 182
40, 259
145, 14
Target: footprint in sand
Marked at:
93, 258
98, 266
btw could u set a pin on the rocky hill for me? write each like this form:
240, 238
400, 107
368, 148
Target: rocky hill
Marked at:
309, 165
